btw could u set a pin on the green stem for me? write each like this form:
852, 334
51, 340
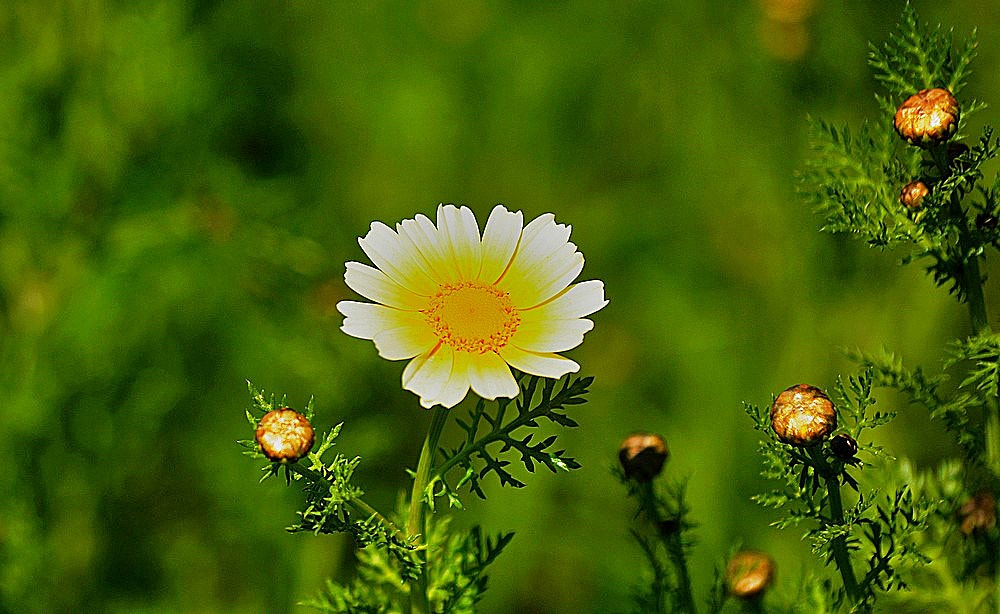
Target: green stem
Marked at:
972, 283
841, 556
358, 504
672, 542
415, 520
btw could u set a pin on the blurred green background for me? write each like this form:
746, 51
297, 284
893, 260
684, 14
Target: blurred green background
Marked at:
182, 182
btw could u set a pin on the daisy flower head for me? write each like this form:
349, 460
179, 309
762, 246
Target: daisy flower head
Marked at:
464, 307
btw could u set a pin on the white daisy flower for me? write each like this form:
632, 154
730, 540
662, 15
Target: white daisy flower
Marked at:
464, 307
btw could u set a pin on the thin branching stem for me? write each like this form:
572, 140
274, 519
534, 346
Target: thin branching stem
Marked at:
841, 556
972, 283
358, 504
672, 542
415, 521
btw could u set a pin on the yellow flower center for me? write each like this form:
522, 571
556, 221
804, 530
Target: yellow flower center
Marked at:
471, 316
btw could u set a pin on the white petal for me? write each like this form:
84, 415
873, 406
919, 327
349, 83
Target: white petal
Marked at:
428, 373
397, 259
539, 281
405, 341
433, 249
365, 320
536, 363
551, 335
577, 301
461, 231
457, 386
375, 285
500, 239
490, 377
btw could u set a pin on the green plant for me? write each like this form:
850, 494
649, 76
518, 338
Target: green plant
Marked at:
895, 536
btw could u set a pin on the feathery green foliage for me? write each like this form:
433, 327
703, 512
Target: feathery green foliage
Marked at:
446, 565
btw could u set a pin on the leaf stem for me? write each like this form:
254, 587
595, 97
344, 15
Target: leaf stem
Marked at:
415, 521
841, 556
358, 504
526, 416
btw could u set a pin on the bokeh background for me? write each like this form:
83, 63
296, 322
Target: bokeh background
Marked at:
181, 183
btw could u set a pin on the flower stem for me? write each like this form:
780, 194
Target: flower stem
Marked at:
415, 520
972, 283
672, 542
841, 556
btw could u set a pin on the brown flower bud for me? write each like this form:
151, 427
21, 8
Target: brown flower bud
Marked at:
979, 513
284, 435
749, 573
913, 194
642, 456
803, 415
843, 446
927, 117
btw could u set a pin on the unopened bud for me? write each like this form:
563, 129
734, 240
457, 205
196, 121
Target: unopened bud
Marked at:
843, 446
979, 513
913, 194
642, 456
927, 117
749, 573
803, 415
284, 435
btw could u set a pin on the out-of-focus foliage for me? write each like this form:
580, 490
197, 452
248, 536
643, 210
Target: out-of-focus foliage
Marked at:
181, 183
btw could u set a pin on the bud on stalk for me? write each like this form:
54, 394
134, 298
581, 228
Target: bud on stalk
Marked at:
642, 456
748, 574
803, 416
928, 117
284, 435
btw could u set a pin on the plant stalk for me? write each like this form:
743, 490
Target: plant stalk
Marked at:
972, 283
841, 556
672, 542
415, 521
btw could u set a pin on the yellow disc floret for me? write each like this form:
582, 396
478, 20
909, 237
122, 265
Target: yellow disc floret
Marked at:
472, 316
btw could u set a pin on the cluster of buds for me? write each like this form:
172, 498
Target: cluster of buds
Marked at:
284, 435
642, 456
928, 117
803, 416
748, 574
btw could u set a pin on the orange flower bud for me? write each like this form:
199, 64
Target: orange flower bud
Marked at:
284, 435
749, 573
927, 117
803, 415
913, 194
642, 456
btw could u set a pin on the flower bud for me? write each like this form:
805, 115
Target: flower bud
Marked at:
284, 435
843, 446
748, 574
927, 117
913, 194
979, 513
642, 456
803, 415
